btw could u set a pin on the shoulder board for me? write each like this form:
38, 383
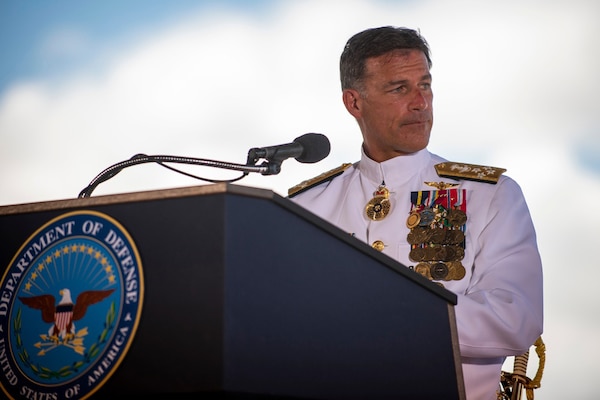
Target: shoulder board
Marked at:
317, 180
479, 173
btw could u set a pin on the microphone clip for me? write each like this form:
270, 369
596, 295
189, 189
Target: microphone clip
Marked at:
269, 166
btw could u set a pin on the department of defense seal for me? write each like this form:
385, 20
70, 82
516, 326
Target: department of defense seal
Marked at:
70, 304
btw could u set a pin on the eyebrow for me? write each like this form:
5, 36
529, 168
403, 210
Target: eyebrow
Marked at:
426, 77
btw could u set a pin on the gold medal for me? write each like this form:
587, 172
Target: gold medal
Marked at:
456, 217
379, 206
423, 269
418, 235
438, 235
456, 271
417, 254
413, 219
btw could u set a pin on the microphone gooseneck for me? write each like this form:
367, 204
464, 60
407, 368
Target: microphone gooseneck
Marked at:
308, 148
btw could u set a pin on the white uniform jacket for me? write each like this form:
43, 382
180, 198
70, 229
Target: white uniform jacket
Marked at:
499, 309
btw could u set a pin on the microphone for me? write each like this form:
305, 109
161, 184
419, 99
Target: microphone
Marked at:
308, 148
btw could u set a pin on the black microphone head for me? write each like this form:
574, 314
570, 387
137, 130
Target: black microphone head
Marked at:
315, 146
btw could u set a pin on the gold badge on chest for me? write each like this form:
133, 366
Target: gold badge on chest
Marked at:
379, 206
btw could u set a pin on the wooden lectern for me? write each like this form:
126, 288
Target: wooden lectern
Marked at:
248, 295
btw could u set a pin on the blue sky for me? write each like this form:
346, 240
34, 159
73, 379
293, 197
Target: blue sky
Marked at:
27, 29
84, 85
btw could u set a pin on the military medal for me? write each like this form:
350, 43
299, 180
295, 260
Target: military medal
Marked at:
413, 219
438, 271
456, 217
456, 271
437, 221
379, 206
423, 269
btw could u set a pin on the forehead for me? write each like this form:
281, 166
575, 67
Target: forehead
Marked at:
397, 61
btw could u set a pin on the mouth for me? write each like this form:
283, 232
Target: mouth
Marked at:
415, 123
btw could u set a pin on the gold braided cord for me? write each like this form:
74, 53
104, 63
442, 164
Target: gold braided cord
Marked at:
536, 382
508, 380
540, 350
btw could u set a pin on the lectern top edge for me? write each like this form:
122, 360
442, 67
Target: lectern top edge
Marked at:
135, 197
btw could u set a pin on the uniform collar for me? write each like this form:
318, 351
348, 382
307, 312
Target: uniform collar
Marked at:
396, 171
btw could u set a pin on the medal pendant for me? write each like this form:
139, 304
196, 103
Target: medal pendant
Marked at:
413, 219
379, 206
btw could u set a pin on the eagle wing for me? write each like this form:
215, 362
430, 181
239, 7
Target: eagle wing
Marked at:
45, 303
86, 299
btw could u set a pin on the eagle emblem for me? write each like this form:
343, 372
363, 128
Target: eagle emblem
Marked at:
62, 317
70, 305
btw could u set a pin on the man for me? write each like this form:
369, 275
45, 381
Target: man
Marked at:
463, 226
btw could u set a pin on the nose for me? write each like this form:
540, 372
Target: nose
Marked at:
419, 101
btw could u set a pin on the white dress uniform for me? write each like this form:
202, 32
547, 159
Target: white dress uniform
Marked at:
499, 309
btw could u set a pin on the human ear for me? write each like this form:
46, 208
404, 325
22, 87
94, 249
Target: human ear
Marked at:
351, 99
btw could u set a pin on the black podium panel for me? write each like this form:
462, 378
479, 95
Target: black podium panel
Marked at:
248, 295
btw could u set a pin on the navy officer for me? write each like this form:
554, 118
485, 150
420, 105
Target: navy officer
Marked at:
466, 227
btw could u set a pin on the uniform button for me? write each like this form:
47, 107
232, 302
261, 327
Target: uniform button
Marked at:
378, 245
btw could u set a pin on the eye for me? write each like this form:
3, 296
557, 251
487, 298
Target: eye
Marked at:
400, 89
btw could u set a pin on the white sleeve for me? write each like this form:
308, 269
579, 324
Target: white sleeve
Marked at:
501, 312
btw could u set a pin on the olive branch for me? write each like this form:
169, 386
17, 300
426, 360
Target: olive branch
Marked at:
67, 370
